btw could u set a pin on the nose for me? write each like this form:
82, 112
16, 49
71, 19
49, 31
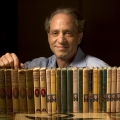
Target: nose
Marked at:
61, 38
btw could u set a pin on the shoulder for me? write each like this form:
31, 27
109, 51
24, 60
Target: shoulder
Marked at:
92, 61
38, 62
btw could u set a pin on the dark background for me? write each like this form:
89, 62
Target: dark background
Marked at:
22, 28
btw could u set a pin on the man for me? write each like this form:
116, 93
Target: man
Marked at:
65, 31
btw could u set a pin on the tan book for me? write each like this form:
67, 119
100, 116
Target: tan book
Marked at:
36, 81
113, 89
58, 89
53, 89
85, 90
8, 86
48, 83
15, 90
2, 92
30, 91
95, 90
43, 90
22, 90
108, 90
75, 89
118, 91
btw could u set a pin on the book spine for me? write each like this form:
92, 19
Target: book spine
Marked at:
36, 80
85, 90
48, 83
58, 90
113, 89
15, 90
99, 90
8, 86
63, 90
108, 95
75, 90
95, 90
30, 91
43, 90
53, 89
80, 90
104, 83
22, 91
2, 92
90, 86
118, 91
70, 90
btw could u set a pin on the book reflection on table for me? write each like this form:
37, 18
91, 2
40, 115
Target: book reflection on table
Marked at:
80, 116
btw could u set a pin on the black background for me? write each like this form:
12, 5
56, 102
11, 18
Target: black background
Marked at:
22, 28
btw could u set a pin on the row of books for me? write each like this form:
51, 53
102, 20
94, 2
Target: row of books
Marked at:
60, 90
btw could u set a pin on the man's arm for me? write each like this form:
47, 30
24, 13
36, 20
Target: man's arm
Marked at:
10, 60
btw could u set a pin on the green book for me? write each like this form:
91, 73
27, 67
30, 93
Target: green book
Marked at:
104, 83
80, 90
63, 90
58, 89
69, 90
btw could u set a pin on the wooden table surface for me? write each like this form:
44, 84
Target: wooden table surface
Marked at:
70, 116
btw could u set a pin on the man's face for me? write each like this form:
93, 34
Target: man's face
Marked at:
63, 37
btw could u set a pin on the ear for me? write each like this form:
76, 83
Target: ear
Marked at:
80, 37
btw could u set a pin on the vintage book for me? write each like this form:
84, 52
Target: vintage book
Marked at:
36, 81
108, 95
48, 83
63, 90
15, 90
85, 90
8, 86
80, 90
58, 89
90, 89
113, 89
53, 89
75, 89
43, 89
22, 90
30, 91
99, 89
70, 97
104, 85
2, 92
95, 90
118, 91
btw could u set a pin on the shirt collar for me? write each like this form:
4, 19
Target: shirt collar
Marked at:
79, 60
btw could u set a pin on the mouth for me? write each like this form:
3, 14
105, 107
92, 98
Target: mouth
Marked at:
61, 47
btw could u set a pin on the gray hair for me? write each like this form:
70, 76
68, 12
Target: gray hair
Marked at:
80, 22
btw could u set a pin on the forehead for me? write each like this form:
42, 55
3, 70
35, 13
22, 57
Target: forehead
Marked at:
62, 17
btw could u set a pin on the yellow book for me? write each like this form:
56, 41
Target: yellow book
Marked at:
95, 90
36, 81
43, 89
85, 90
30, 91
2, 92
108, 96
53, 89
118, 91
22, 90
113, 89
15, 90
48, 83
